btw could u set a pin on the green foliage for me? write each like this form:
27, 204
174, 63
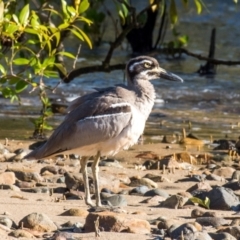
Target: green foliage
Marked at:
30, 42
205, 203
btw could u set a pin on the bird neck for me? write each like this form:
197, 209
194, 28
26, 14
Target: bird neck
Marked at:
144, 89
145, 96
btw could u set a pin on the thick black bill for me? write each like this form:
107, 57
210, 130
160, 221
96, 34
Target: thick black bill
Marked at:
170, 76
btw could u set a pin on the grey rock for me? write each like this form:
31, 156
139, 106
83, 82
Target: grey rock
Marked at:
7, 222
232, 185
141, 190
156, 192
61, 179
234, 231
10, 187
220, 198
196, 236
135, 182
215, 222
74, 181
115, 200
176, 231
236, 176
110, 163
222, 236
174, 201
62, 236
39, 222
215, 177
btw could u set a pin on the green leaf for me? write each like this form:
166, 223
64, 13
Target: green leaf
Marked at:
15, 18
72, 10
77, 34
2, 69
24, 14
173, 12
64, 9
20, 86
67, 54
205, 203
198, 6
84, 35
32, 31
236, 1
1, 11
12, 28
63, 26
47, 127
21, 61
83, 6
61, 68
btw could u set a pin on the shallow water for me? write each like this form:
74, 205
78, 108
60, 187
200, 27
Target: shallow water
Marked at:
212, 105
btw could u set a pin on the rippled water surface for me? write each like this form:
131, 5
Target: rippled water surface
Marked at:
212, 105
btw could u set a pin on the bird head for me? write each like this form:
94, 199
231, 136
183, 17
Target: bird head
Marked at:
147, 68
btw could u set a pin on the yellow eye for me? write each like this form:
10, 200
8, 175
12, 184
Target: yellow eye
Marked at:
147, 65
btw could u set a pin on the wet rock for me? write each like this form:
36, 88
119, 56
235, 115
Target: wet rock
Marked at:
224, 144
7, 222
225, 172
220, 198
175, 202
215, 222
114, 222
76, 212
39, 222
140, 191
222, 236
115, 200
155, 192
200, 186
7, 178
21, 233
142, 181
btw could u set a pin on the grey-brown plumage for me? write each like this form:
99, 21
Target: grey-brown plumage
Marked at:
108, 120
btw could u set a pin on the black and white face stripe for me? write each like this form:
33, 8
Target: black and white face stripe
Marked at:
147, 68
143, 68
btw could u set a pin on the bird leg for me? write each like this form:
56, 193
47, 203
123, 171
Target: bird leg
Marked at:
95, 170
83, 163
